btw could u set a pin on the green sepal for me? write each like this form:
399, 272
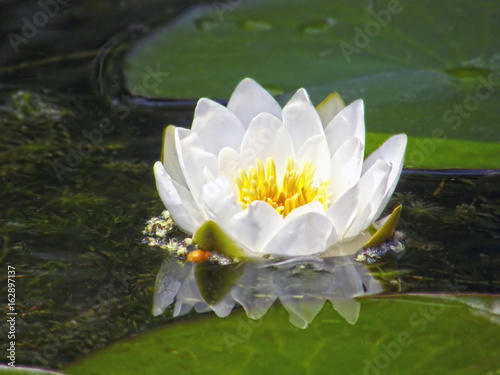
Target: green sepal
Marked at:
386, 230
210, 237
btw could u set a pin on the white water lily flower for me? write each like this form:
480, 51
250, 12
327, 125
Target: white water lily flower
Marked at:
287, 182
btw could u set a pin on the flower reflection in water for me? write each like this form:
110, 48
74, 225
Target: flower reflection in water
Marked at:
302, 285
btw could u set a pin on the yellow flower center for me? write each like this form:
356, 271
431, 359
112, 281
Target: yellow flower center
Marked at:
297, 189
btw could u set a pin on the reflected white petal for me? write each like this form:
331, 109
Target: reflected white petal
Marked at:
255, 291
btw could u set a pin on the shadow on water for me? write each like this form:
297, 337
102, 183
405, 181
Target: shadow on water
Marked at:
76, 156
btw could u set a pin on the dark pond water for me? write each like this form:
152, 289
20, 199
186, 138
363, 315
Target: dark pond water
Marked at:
72, 212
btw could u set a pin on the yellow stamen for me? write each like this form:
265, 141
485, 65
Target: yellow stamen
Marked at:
297, 189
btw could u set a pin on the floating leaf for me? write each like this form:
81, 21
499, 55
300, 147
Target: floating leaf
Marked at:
443, 334
439, 85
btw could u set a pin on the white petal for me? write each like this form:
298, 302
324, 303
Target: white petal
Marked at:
220, 200
314, 206
267, 137
193, 159
249, 99
315, 150
178, 200
343, 211
217, 126
329, 108
393, 150
170, 158
301, 119
305, 235
254, 226
346, 166
372, 186
348, 123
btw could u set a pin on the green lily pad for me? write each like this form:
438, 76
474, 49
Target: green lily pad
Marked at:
403, 335
427, 69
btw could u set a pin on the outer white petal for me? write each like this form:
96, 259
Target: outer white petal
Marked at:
348, 123
346, 167
329, 108
314, 206
194, 160
217, 126
305, 235
254, 226
392, 150
220, 200
343, 211
315, 150
301, 119
267, 137
372, 186
178, 201
249, 99
170, 158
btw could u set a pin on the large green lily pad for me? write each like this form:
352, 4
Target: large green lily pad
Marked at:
403, 335
429, 69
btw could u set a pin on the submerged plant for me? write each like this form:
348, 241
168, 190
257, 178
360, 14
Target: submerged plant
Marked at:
285, 182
